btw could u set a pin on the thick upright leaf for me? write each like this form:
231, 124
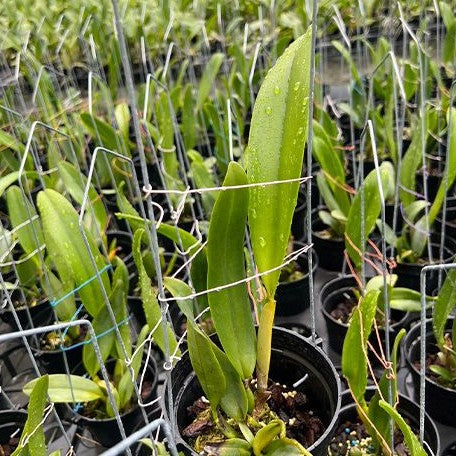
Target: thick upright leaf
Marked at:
122, 114
275, 151
56, 289
411, 440
22, 213
104, 327
230, 307
32, 440
188, 119
372, 206
75, 183
150, 302
207, 79
355, 349
66, 247
64, 388
334, 172
206, 366
126, 384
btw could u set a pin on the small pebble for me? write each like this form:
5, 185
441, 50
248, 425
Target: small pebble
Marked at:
347, 430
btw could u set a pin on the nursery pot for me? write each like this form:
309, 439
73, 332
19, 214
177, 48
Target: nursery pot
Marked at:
53, 361
330, 251
40, 314
292, 357
11, 422
408, 409
293, 297
301, 330
331, 295
298, 223
440, 401
409, 273
106, 431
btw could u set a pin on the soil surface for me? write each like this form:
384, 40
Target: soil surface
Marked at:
344, 309
8, 448
303, 424
353, 439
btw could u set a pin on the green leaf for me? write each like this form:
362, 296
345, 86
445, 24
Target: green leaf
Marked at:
267, 434
9, 179
326, 192
207, 79
205, 365
203, 179
75, 183
188, 119
230, 307
65, 388
32, 440
100, 131
376, 414
286, 447
10, 142
275, 151
122, 115
56, 289
372, 206
446, 302
355, 349
333, 168
103, 325
419, 233
230, 447
376, 283
67, 249
180, 289
22, 212
150, 303
405, 299
126, 384
411, 440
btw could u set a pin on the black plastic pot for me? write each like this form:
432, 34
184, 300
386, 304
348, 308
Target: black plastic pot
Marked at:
409, 273
330, 252
292, 357
408, 409
53, 361
106, 431
450, 450
293, 297
440, 401
330, 295
11, 422
301, 330
38, 315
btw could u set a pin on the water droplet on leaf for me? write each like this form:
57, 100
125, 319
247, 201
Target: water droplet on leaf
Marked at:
276, 90
262, 242
268, 110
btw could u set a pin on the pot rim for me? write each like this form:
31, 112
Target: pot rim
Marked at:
328, 315
331, 425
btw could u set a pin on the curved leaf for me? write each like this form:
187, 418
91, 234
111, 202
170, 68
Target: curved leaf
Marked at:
65, 388
230, 307
275, 152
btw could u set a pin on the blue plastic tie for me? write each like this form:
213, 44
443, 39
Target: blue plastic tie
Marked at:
56, 302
